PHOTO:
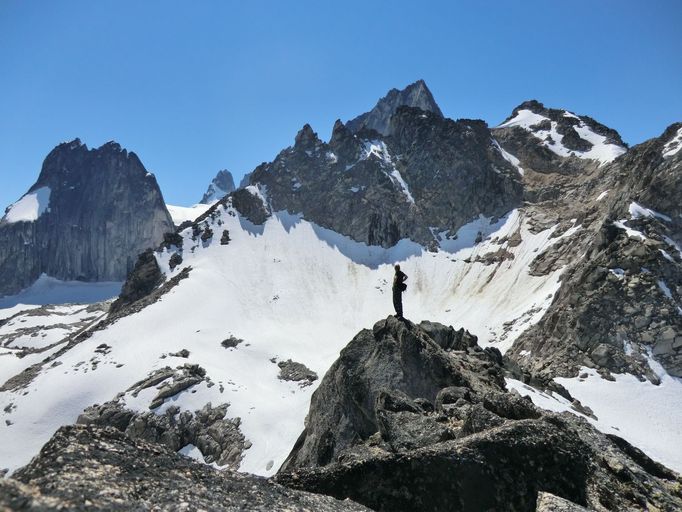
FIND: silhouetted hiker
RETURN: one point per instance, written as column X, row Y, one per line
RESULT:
column 399, row 287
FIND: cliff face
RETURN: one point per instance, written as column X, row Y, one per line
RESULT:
column 87, row 217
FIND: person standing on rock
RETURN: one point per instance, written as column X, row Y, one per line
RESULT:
column 399, row 287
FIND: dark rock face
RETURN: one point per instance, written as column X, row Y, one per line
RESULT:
column 100, row 468
column 221, row 185
column 250, row 205
column 399, row 423
column 146, row 276
column 415, row 95
column 101, row 209
column 426, row 175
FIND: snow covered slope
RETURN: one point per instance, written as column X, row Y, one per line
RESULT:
column 181, row 214
column 625, row 407
column 290, row 290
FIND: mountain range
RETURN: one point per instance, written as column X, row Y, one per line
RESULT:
column 243, row 337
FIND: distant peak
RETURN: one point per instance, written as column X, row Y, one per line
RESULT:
column 415, row 95
column 221, row 185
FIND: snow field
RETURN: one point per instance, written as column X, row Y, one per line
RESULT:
column 181, row 214
column 290, row 290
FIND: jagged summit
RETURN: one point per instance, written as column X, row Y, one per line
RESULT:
column 306, row 138
column 221, row 185
column 380, row 189
column 415, row 95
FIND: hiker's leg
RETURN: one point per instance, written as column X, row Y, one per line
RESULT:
column 398, row 303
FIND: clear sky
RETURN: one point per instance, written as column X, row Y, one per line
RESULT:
column 197, row 86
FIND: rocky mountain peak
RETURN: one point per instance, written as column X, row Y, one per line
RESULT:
column 306, row 138
column 415, row 95
column 339, row 132
column 221, row 185
column 107, row 193
column 543, row 138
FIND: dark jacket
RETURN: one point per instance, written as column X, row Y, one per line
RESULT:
column 399, row 279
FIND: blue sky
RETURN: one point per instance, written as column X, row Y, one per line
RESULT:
column 194, row 87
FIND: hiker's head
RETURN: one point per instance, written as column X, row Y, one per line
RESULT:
column 397, row 268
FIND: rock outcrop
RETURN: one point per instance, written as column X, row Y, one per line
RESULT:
column 221, row 185
column 88, row 216
column 417, row 418
column 100, row 468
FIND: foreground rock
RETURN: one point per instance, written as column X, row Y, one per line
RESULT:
column 98, row 468
column 416, row 417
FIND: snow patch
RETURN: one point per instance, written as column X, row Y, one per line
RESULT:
column 602, row 195
column 395, row 174
column 618, row 272
column 674, row 145
column 672, row 243
column 509, row 157
column 181, row 214
column 525, row 119
column 664, row 288
column 601, row 150
column 667, row 256
column 637, row 212
column 632, row 233
column 30, row 207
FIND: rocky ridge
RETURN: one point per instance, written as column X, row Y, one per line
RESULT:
column 425, row 179
column 87, row 217
column 100, row 468
column 217, row 437
column 619, row 302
